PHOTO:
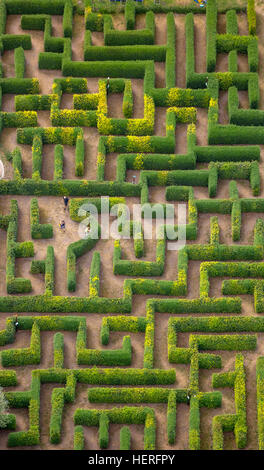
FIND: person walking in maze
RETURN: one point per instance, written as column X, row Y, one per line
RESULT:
column 108, row 85
column 65, row 200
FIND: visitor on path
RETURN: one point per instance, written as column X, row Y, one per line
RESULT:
column 62, row 225
column 108, row 85
column 65, row 200
column 16, row 323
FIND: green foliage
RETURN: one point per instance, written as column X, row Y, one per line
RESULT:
column 4, row 418
column 78, row 438
column 211, row 41
column 103, row 431
column 251, row 14
column 79, row 156
column 31, row 355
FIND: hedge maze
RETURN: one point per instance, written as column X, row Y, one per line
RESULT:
column 127, row 344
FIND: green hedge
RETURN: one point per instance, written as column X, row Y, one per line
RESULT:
column 78, row 438
column 260, row 401
column 231, row 23
column 116, row 68
column 12, row 41
column 34, row 22
column 8, row 378
column 58, row 162
column 58, row 349
column 26, row 356
column 232, row 62
column 171, row 417
column 211, row 25
column 128, row 100
column 130, row 14
column 227, row 153
column 125, row 438
column 103, row 431
column 33, row 102
column 20, row 119
column 20, row 85
column 190, row 58
column 253, row 58
column 251, row 14
column 228, row 42
column 16, row 7
column 67, row 19
column 2, row 18
column 124, row 53
column 74, row 251
column 233, row 135
column 79, row 156
column 38, row 230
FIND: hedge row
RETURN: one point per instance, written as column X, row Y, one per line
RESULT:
column 78, row 438
column 19, row 62
column 139, row 268
column 24, row 356
column 79, row 208
column 33, row 102
column 170, row 54
column 15, row 250
column 58, row 162
column 211, row 42
column 19, row 119
column 229, row 42
column 129, row 37
column 126, row 415
column 232, row 135
column 67, row 19
column 77, row 188
column 77, row 249
column 2, row 18
column 124, row 53
column 231, row 23
column 115, row 126
column 115, row 357
column 227, row 153
column 15, row 7
column 31, row 399
column 20, row 85
column 260, row 401
column 125, row 438
column 128, row 100
column 237, row 422
column 12, row 41
column 159, row 162
column 251, row 15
